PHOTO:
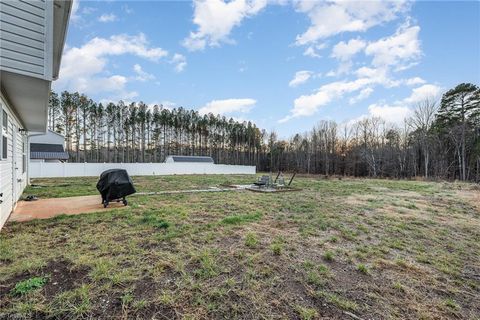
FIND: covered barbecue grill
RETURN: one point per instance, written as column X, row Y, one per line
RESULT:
column 115, row 184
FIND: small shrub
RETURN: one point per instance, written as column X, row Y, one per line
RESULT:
column 28, row 285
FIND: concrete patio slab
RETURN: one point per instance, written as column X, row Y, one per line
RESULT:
column 48, row 208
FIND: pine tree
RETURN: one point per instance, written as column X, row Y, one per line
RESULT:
column 456, row 116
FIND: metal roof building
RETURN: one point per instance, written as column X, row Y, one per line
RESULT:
column 48, row 147
column 197, row 159
column 45, row 151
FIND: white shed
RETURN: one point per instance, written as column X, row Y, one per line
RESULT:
column 49, row 147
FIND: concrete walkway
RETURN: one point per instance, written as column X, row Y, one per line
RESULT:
column 48, row 208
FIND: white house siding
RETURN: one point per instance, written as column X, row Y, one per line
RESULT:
column 24, row 26
column 12, row 178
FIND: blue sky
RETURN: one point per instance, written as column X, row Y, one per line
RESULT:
column 283, row 64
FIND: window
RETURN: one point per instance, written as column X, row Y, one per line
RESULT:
column 4, row 134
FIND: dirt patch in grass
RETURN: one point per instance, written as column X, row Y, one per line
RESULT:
column 61, row 276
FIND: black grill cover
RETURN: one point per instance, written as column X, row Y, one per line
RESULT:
column 115, row 184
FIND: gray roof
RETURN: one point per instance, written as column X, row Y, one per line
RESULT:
column 191, row 159
column 47, row 151
column 49, row 155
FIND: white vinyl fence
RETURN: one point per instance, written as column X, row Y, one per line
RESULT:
column 55, row 170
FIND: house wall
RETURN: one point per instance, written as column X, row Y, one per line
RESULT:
column 13, row 172
column 26, row 37
column 55, row 170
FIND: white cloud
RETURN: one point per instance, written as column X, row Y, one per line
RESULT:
column 395, row 114
column 215, row 20
column 401, row 49
column 228, row 106
column 179, row 61
column 365, row 93
column 84, row 68
column 427, row 91
column 110, row 17
column 343, row 67
column 300, row 77
column 141, row 74
column 344, row 51
column 414, row 81
column 378, row 76
column 307, row 105
column 334, row 17
column 310, row 52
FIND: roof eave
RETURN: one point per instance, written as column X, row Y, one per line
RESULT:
column 61, row 16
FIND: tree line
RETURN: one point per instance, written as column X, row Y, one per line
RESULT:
column 440, row 140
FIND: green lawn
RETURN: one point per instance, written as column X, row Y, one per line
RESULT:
column 370, row 248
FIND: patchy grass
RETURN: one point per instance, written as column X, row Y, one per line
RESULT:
column 372, row 248
column 363, row 268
